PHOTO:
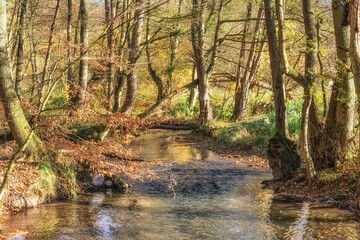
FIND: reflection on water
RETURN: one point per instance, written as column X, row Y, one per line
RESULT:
column 213, row 199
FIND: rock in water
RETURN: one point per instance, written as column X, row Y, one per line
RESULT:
column 283, row 157
column 108, row 183
column 98, row 180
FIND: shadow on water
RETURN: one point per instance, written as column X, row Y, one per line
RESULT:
column 213, row 198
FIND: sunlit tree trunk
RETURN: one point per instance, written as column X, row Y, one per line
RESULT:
column 14, row 114
column 83, row 67
column 134, row 51
column 310, row 75
column 197, row 38
column 354, row 50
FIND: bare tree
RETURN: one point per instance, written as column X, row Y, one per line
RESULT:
column 134, row 52
column 197, row 39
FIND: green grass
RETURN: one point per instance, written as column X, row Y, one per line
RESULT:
column 254, row 133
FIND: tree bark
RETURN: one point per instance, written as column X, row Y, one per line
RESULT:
column 20, row 49
column 197, row 38
column 310, row 76
column 339, row 124
column 354, row 51
column 134, row 51
column 278, row 85
column 309, row 135
column 83, row 67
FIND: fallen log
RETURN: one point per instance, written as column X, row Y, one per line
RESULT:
column 173, row 127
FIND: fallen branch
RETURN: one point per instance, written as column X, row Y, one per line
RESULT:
column 172, row 127
column 158, row 106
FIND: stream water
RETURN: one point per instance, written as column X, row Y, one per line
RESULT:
column 214, row 198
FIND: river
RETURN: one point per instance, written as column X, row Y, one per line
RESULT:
column 199, row 195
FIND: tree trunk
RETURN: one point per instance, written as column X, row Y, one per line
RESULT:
column 174, row 45
column 281, row 127
column 193, row 91
column 118, row 91
column 339, row 124
column 310, row 76
column 238, row 99
column 69, row 49
column 321, row 66
column 313, row 118
column 20, row 50
column 134, row 51
column 36, row 81
column 48, row 52
column 83, row 67
column 282, row 154
column 14, row 114
column 157, row 80
column 120, row 74
column 197, row 38
column 242, row 94
column 110, row 14
column 354, row 51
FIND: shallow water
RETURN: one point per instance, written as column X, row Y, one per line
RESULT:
column 213, row 198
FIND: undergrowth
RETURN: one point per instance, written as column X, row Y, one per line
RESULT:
column 253, row 134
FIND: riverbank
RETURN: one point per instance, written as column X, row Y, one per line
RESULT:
column 331, row 188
